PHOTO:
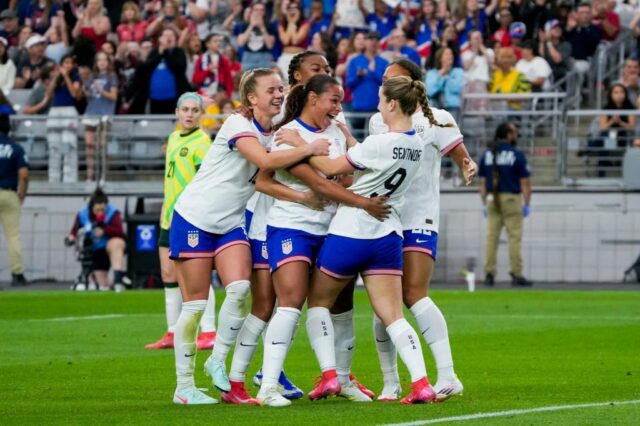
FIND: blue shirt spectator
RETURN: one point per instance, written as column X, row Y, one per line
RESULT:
column 398, row 48
column 445, row 83
column 512, row 166
column 364, row 75
column 583, row 36
column 12, row 159
column 382, row 20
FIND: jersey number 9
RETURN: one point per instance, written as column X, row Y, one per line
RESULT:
column 394, row 182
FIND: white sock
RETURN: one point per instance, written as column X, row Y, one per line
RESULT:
column 344, row 341
column 184, row 341
column 276, row 345
column 387, row 354
column 407, row 342
column 172, row 305
column 230, row 318
column 208, row 321
column 434, row 329
column 321, row 337
column 246, row 347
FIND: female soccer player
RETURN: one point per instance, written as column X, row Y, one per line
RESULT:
column 357, row 243
column 185, row 150
column 420, row 216
column 207, row 228
column 295, row 232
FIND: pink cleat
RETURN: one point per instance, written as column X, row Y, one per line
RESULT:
column 327, row 385
column 206, row 340
column 422, row 393
column 165, row 342
column 238, row 395
column 362, row 387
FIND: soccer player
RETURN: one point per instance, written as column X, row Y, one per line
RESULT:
column 185, row 150
column 358, row 243
column 295, row 232
column 207, row 228
column 420, row 217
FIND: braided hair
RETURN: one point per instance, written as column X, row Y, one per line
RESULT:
column 416, row 74
column 405, row 91
column 295, row 63
column 299, row 94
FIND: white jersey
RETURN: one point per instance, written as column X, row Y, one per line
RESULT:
column 385, row 165
column 286, row 214
column 259, row 204
column 216, row 198
column 422, row 207
column 278, row 118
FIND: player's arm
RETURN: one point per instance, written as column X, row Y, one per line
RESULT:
column 253, row 151
column 375, row 206
column 461, row 157
column 332, row 167
column 351, row 141
column 266, row 184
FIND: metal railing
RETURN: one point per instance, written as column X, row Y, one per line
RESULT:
column 607, row 63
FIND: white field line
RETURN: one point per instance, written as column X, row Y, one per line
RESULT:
column 92, row 317
column 513, row 413
column 548, row 317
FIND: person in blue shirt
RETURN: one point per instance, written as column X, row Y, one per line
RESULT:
column 383, row 20
column 364, row 78
column 506, row 194
column 445, row 82
column 14, row 180
column 398, row 48
column 320, row 22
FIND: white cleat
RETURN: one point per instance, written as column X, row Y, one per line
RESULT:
column 390, row 393
column 215, row 369
column 353, row 393
column 192, row 396
column 445, row 391
column 270, row 397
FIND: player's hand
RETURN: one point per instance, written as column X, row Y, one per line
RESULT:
column 378, row 207
column 345, row 130
column 289, row 137
column 244, row 111
column 469, row 170
column 526, row 210
column 313, row 200
column 319, row 147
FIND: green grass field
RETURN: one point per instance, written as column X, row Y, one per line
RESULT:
column 514, row 350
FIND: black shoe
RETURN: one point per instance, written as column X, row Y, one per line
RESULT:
column 520, row 281
column 18, row 280
column 488, row 280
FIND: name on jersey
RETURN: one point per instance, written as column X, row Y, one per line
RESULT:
column 505, row 158
column 6, row 151
column 407, row 154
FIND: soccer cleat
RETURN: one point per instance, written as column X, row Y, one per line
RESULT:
column 520, row 281
column 165, row 342
column 288, row 389
column 206, row 340
column 422, row 392
column 352, row 392
column 238, row 395
column 270, row 397
column 447, row 390
column 362, row 387
column 327, row 385
column 390, row 393
column 192, row 396
column 215, row 369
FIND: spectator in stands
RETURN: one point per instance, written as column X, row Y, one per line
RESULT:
column 221, row 105
column 382, row 20
column 322, row 43
column 134, row 77
column 93, row 24
column 218, row 13
column 256, row 38
column 41, row 14
column 517, row 33
column 230, row 53
column 62, row 138
column 293, row 31
column 198, row 12
column 634, row 26
column 364, row 77
column 506, row 78
column 169, row 17
column 132, row 27
column 10, row 27
column 606, row 19
column 14, row 180
column 533, row 13
column 192, row 47
column 319, row 22
column 235, row 16
column 104, row 224
column 29, row 70
column 501, row 37
column 425, row 27
column 58, row 39
column 166, row 67
column 7, row 68
column 616, row 131
column 397, row 48
column 505, row 190
column 445, row 82
column 631, row 79
column 212, row 70
column 474, row 17
column 535, row 69
column 101, row 92
column 349, row 18
column 40, row 96
column 477, row 63
column 449, row 38
column 583, row 36
column 554, row 49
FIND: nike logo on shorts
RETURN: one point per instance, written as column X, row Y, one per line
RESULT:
column 421, row 241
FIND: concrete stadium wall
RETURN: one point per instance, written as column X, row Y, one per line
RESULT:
column 570, row 237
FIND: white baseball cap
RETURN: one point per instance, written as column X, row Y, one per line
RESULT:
column 35, row 39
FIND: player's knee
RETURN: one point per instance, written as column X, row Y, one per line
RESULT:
column 238, row 291
column 410, row 295
column 262, row 310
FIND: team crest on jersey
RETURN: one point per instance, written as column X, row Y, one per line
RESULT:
column 265, row 253
column 287, row 246
column 193, row 238
column 184, row 151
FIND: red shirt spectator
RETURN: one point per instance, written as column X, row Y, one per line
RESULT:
column 606, row 19
column 133, row 27
column 212, row 70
